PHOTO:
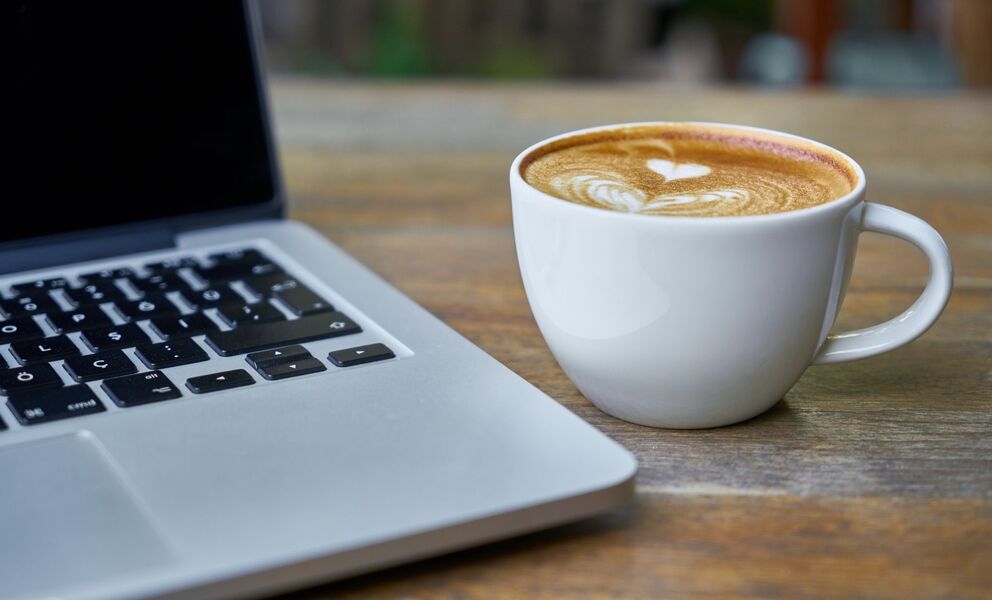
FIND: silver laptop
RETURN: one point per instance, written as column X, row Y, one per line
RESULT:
column 199, row 397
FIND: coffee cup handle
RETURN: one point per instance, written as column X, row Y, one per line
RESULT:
column 861, row 343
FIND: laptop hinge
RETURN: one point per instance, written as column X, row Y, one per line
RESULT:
column 55, row 252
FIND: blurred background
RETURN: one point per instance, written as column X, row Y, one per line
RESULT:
column 871, row 45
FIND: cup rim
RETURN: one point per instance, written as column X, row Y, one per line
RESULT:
column 849, row 198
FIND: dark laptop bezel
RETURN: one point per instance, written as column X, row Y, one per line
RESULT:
column 94, row 243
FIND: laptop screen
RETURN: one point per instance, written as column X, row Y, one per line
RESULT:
column 123, row 111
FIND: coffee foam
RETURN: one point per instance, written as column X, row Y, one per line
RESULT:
column 688, row 170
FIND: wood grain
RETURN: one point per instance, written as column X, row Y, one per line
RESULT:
column 869, row 479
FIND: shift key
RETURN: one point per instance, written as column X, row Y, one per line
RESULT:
column 251, row 338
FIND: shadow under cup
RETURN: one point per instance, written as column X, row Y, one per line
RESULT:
column 693, row 322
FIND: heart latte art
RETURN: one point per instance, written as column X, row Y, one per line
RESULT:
column 688, row 170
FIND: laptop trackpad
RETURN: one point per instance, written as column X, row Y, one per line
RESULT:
column 68, row 519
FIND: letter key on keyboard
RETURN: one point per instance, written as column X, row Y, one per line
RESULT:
column 43, row 350
column 184, row 326
column 117, row 336
column 21, row 328
column 25, row 378
column 102, row 365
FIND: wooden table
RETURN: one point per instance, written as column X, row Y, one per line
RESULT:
column 869, row 479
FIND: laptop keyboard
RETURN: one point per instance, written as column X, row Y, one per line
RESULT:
column 240, row 302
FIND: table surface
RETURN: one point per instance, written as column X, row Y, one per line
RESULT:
column 871, row 478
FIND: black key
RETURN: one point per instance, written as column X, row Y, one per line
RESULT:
column 43, row 350
column 216, row 382
column 95, row 293
column 43, row 405
column 149, row 307
column 26, row 378
column 213, row 297
column 22, row 328
column 3, row 363
column 283, row 370
column 236, row 270
column 3, row 425
column 171, row 354
column 241, row 255
column 109, row 363
column 301, row 300
column 34, row 303
column 281, row 333
column 160, row 283
column 246, row 314
column 287, row 354
column 264, row 285
column 40, row 285
column 79, row 319
column 116, row 336
column 172, row 264
column 184, row 326
column 141, row 388
column 106, row 275
column 360, row 355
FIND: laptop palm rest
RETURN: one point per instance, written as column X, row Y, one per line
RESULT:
column 67, row 518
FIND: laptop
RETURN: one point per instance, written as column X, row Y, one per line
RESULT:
column 199, row 397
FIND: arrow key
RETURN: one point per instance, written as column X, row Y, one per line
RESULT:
column 284, row 354
column 359, row 355
column 216, row 382
column 283, row 370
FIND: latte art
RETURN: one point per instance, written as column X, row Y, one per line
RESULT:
column 688, row 170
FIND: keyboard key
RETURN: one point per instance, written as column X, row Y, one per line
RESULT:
column 246, row 314
column 149, row 307
column 95, row 293
column 43, row 405
column 251, row 338
column 171, row 354
column 184, row 326
column 3, row 425
column 360, row 355
column 264, row 285
column 34, row 303
column 40, row 285
column 114, row 337
column 106, row 275
column 173, row 264
column 25, row 378
column 283, row 370
column 160, row 283
column 43, row 350
column 21, row 328
column 240, row 255
column 216, row 382
column 287, row 354
column 3, row 363
column 141, row 388
column 79, row 319
column 236, row 270
column 212, row 297
column 109, row 363
column 301, row 300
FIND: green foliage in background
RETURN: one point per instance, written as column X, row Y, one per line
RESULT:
column 399, row 44
column 509, row 60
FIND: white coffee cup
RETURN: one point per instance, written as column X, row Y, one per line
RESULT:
column 690, row 322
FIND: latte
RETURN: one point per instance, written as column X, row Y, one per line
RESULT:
column 688, row 170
